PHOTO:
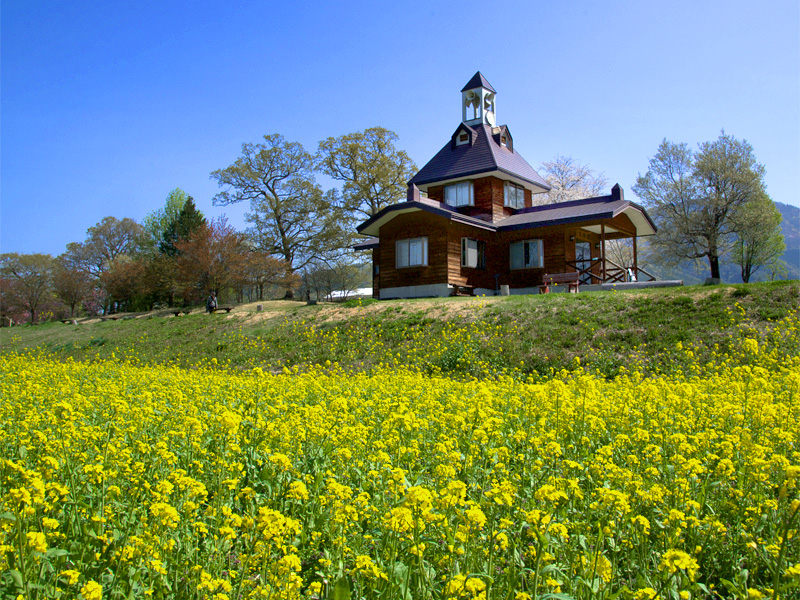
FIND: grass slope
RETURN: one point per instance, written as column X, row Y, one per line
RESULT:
column 478, row 337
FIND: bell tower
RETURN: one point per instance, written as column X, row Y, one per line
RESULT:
column 478, row 102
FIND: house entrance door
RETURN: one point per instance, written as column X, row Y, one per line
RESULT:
column 583, row 260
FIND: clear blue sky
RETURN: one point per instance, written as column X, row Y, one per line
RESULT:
column 107, row 106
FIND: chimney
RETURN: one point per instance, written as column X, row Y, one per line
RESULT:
column 413, row 193
column 617, row 193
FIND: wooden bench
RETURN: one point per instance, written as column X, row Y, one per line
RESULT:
column 180, row 311
column 462, row 290
column 227, row 309
column 572, row 280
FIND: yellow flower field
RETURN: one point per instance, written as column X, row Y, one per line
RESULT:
column 125, row 481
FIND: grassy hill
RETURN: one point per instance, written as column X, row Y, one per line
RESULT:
column 478, row 337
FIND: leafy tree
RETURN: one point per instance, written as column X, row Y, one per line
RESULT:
column 374, row 172
column 759, row 241
column 156, row 223
column 30, row 278
column 105, row 241
column 569, row 180
column 181, row 228
column 292, row 218
column 695, row 198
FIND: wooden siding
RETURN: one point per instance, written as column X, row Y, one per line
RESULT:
column 413, row 225
column 444, row 250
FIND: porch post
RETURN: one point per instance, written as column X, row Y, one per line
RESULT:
column 635, row 259
column 603, row 250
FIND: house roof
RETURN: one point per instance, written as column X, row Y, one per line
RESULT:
column 576, row 211
column 372, row 226
column 484, row 155
column 477, row 81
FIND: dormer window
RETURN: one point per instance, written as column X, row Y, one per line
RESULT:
column 503, row 141
column 463, row 138
column 514, row 195
column 459, row 194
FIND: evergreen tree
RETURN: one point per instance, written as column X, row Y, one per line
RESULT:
column 181, row 228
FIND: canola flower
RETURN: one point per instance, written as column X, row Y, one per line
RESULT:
column 124, row 481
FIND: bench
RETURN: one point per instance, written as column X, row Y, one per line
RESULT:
column 572, row 280
column 462, row 290
column 180, row 311
column 227, row 309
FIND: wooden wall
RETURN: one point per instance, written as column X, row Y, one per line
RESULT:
column 444, row 252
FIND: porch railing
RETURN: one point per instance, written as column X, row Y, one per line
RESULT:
column 590, row 271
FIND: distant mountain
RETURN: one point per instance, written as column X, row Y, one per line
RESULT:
column 791, row 235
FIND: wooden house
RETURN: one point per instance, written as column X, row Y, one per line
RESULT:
column 469, row 223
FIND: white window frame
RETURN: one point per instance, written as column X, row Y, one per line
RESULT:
column 526, row 257
column 459, row 194
column 514, row 195
column 473, row 253
column 411, row 252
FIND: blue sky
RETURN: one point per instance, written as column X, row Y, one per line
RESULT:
column 108, row 106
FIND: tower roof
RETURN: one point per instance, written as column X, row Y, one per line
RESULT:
column 477, row 81
column 485, row 155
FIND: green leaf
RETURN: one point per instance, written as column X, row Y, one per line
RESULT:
column 16, row 577
column 341, row 591
column 56, row 552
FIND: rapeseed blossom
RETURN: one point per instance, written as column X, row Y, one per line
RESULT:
column 207, row 484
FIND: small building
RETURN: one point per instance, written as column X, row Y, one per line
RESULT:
column 470, row 225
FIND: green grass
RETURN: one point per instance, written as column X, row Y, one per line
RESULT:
column 459, row 336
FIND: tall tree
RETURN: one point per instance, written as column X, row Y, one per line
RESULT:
column 105, row 241
column 569, row 180
column 124, row 282
column 695, row 198
column 30, row 277
column 759, row 241
column 212, row 258
column 156, row 223
column 260, row 270
column 181, row 228
column 291, row 217
column 71, row 284
column 373, row 171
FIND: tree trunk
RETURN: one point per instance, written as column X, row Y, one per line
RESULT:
column 713, row 261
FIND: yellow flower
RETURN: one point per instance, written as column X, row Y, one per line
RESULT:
column 71, row 575
column 92, row 591
column 674, row 560
column 37, row 541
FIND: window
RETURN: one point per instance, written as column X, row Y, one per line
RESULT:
column 459, row 194
column 515, row 195
column 473, row 253
column 527, row 255
column 412, row 252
